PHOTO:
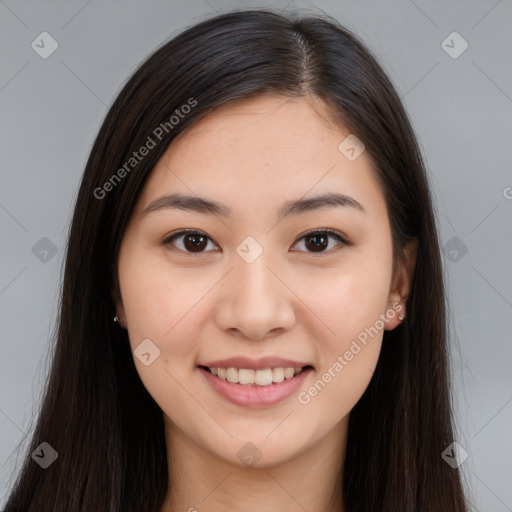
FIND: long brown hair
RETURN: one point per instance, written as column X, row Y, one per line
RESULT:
column 96, row 413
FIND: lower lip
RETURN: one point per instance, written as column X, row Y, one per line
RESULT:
column 253, row 395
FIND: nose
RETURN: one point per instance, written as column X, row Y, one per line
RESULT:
column 255, row 302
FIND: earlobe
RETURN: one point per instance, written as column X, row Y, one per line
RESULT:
column 402, row 283
column 120, row 313
column 406, row 270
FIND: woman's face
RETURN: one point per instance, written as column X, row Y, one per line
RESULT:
column 252, row 282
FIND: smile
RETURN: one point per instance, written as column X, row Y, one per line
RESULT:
column 263, row 377
column 255, row 388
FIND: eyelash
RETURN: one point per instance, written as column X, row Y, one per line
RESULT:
column 168, row 240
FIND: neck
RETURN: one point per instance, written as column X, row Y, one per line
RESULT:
column 200, row 480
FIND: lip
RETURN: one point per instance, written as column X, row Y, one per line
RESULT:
column 255, row 364
column 253, row 395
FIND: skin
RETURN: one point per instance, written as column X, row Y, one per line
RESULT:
column 252, row 156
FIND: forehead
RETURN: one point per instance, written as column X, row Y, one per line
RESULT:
column 264, row 149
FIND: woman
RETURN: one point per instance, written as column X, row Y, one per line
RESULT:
column 255, row 215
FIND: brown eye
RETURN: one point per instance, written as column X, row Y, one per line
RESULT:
column 318, row 241
column 193, row 241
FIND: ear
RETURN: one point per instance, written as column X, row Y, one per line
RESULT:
column 401, row 284
column 120, row 313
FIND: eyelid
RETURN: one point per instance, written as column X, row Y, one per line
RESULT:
column 181, row 232
column 333, row 233
column 342, row 241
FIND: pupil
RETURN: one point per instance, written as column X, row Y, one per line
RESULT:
column 318, row 246
column 196, row 244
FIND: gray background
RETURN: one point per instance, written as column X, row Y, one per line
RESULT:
column 51, row 109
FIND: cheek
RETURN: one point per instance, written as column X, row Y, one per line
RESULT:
column 349, row 352
column 159, row 306
column 156, row 298
column 167, row 306
column 337, row 388
column 351, row 307
column 349, row 301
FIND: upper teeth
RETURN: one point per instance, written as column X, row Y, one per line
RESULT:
column 259, row 377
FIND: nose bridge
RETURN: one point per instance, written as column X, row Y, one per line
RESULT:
column 251, row 268
column 255, row 301
column 255, row 278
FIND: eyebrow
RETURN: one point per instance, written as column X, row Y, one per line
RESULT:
column 209, row 206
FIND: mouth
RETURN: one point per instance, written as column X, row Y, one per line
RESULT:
column 260, row 377
column 258, row 388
